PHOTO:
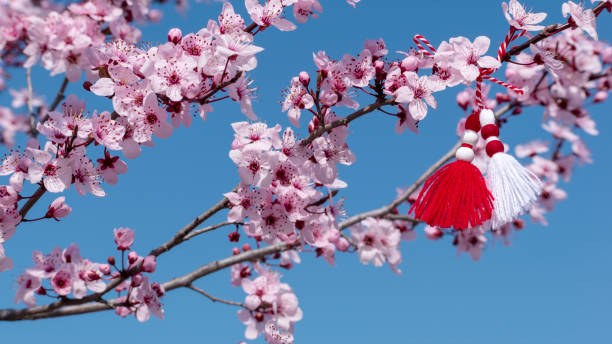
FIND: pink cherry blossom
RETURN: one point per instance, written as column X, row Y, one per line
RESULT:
column 107, row 131
column 550, row 195
column 110, row 167
column 469, row 56
column 28, row 284
column 521, row 19
column 405, row 120
column 6, row 263
column 254, row 167
column 240, row 92
column 147, row 301
column 244, row 202
column 58, row 208
column 418, row 94
column 274, row 336
column 152, row 121
column 302, row 9
column 531, row 149
column 270, row 14
column 62, row 282
column 297, row 100
column 471, row 241
column 584, row 19
column 377, row 242
column 124, row 238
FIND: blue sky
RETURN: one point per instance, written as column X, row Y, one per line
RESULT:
column 552, row 285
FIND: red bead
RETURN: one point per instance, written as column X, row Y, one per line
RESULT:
column 494, row 147
column 473, row 122
column 489, row 130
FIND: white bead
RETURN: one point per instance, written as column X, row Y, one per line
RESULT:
column 465, row 154
column 470, row 137
column 486, row 117
column 492, row 138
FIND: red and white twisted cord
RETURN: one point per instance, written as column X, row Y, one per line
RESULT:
column 505, row 84
column 418, row 39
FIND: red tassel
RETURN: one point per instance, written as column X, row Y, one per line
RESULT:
column 455, row 196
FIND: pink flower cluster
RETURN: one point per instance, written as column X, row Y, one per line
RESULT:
column 61, row 39
column 270, row 305
column 68, row 273
column 378, row 242
column 280, row 181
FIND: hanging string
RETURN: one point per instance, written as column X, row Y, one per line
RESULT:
column 418, row 39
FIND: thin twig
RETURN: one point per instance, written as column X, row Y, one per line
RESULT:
column 58, row 98
column 207, row 229
column 400, row 217
column 33, row 131
column 179, row 237
column 214, row 299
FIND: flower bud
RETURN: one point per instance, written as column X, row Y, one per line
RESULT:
column 105, row 269
column 136, row 280
column 235, row 251
column 111, row 260
column 87, row 85
column 379, row 65
column 433, row 233
column 342, row 245
column 600, row 96
column 246, row 247
column 175, row 35
column 304, row 78
column 410, row 64
column 149, row 264
column 132, row 257
column 234, row 236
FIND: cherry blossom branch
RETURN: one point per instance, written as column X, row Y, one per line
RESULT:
column 346, row 120
column 214, row 299
column 94, row 303
column 545, row 33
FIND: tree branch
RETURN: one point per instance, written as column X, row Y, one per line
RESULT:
column 346, row 120
column 208, row 229
column 179, row 237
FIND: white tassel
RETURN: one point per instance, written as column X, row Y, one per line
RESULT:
column 514, row 188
